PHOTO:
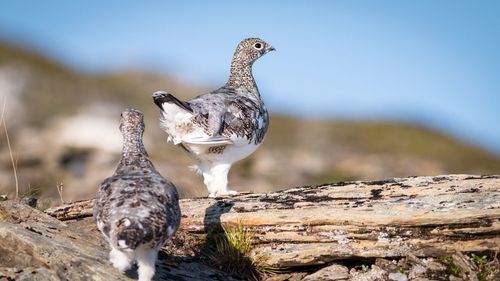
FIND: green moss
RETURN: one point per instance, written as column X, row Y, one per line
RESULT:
column 488, row 265
column 455, row 269
column 479, row 260
column 451, row 267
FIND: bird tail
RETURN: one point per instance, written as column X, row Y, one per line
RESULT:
column 161, row 97
column 129, row 234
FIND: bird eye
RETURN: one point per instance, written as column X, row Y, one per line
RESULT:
column 258, row 46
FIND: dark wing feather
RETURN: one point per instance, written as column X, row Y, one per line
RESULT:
column 161, row 97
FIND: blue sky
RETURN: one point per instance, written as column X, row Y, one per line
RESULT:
column 435, row 63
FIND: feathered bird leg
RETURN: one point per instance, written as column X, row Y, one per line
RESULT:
column 120, row 260
column 146, row 259
column 215, row 178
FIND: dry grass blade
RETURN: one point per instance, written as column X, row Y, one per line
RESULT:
column 60, row 187
column 14, row 168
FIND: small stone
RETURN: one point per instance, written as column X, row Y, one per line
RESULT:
column 454, row 278
column 435, row 270
column 433, row 265
column 375, row 274
column 3, row 197
column 287, row 277
column 417, row 271
column 30, row 201
column 332, row 272
column 412, row 259
column 297, row 276
column 468, row 268
column 279, row 277
column 387, row 265
column 398, row 276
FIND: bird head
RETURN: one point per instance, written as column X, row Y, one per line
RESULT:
column 132, row 123
column 250, row 49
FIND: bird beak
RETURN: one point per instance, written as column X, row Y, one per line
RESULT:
column 270, row 48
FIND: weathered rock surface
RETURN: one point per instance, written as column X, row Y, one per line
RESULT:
column 425, row 216
column 35, row 246
column 399, row 223
column 332, row 272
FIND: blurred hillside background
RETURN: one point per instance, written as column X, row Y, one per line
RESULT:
column 358, row 90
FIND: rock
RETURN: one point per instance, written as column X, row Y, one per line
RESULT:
column 468, row 268
column 75, row 210
column 435, row 270
column 397, row 276
column 425, row 268
column 51, row 245
column 412, row 259
column 311, row 226
column 287, row 277
column 434, row 266
column 36, row 246
column 332, row 272
column 454, row 278
column 374, row 274
column 30, row 201
column 417, row 271
column 26, row 273
column 387, row 265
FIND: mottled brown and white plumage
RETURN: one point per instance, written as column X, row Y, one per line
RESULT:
column 136, row 209
column 223, row 126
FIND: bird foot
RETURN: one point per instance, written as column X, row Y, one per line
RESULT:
column 224, row 193
column 120, row 260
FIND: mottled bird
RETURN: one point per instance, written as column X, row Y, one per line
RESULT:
column 223, row 126
column 136, row 209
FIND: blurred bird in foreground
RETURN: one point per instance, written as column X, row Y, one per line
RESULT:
column 136, row 209
column 223, row 126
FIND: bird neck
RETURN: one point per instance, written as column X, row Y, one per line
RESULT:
column 241, row 76
column 133, row 146
column 134, row 157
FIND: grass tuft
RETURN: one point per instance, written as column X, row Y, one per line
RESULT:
column 231, row 251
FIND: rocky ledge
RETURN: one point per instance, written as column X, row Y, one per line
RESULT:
column 418, row 228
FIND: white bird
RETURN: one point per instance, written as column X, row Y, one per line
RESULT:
column 136, row 209
column 223, row 126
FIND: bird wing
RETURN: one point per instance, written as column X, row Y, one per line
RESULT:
column 225, row 118
column 208, row 115
column 161, row 98
column 242, row 118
